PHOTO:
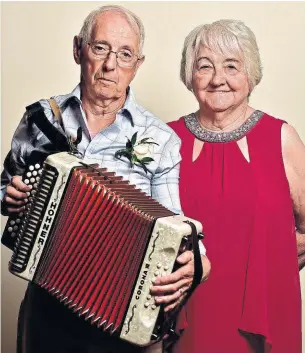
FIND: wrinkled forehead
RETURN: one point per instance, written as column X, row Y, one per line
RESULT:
column 220, row 42
column 112, row 25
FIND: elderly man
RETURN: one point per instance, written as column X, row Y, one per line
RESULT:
column 109, row 52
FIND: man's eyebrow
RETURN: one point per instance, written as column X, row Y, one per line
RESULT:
column 101, row 42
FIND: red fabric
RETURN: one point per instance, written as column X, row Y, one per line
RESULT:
column 251, row 302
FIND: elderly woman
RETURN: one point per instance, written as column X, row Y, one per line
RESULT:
column 243, row 177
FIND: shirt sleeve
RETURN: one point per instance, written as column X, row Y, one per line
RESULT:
column 26, row 139
column 165, row 183
column 15, row 161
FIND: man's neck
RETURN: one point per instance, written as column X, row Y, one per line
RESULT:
column 101, row 113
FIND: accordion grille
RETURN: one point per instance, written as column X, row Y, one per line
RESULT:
column 93, row 256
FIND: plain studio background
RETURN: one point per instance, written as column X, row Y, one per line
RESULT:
column 37, row 62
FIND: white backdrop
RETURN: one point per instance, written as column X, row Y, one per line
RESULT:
column 37, row 62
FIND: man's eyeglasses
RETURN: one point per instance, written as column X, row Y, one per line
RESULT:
column 124, row 57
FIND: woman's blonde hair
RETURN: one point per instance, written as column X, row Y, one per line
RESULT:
column 223, row 36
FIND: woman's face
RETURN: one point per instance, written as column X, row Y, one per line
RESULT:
column 219, row 81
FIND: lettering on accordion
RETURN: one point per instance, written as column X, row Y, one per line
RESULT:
column 96, row 243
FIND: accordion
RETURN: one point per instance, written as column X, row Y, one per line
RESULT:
column 96, row 243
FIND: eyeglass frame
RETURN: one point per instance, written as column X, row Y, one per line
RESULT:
column 114, row 52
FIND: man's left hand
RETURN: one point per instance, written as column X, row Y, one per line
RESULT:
column 171, row 289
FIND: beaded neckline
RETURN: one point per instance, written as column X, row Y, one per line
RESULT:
column 202, row 134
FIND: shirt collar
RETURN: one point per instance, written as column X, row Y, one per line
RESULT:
column 129, row 108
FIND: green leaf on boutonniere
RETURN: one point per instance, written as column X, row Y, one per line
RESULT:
column 124, row 153
column 141, row 164
column 129, row 145
column 134, row 138
column 146, row 160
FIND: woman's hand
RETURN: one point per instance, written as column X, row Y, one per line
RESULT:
column 171, row 289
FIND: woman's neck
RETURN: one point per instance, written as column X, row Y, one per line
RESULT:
column 224, row 121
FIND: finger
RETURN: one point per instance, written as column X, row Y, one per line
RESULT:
column 167, row 299
column 174, row 305
column 185, row 257
column 185, row 271
column 13, row 202
column 15, row 209
column 13, row 193
column 17, row 183
column 170, row 288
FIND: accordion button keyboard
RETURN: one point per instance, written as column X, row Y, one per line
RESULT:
column 148, row 297
column 31, row 167
column 146, row 305
column 159, row 265
column 153, row 306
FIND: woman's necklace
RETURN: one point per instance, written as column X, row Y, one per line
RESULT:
column 203, row 134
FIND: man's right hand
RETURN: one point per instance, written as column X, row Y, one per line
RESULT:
column 15, row 197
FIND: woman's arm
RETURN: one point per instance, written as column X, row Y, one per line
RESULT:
column 294, row 161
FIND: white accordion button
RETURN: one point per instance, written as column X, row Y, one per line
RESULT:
column 10, row 229
column 166, row 268
column 12, row 222
column 26, row 181
column 157, row 273
column 31, row 167
column 32, row 180
column 146, row 305
column 34, row 173
column 153, row 306
column 28, row 174
column 159, row 265
column 37, row 166
column 148, row 297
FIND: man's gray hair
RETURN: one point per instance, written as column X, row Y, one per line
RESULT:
column 132, row 19
column 223, row 37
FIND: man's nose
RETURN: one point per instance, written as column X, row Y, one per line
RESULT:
column 110, row 62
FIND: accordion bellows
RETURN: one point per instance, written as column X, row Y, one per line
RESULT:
column 96, row 243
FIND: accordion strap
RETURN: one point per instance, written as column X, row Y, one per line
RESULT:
column 198, row 271
column 36, row 115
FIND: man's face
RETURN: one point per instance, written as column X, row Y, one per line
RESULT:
column 105, row 79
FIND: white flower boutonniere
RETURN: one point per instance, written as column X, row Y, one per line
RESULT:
column 138, row 152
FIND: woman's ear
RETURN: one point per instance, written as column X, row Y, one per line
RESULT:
column 77, row 47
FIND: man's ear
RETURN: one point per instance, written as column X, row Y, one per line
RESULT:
column 139, row 63
column 77, row 47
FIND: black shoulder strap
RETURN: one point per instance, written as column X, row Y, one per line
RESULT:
column 36, row 115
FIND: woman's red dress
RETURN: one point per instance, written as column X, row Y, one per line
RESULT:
column 252, row 301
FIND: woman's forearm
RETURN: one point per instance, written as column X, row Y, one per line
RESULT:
column 301, row 249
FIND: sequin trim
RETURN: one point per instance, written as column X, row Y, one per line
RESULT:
column 202, row 134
